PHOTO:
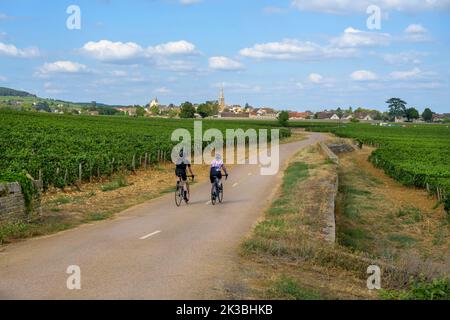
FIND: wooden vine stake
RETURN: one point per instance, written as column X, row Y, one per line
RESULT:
column 65, row 177
column 145, row 161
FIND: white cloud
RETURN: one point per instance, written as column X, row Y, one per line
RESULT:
column 353, row 38
column 291, row 49
column 173, row 48
column 409, row 57
column 343, row 46
column 108, row 51
column 12, row 51
column 360, row 6
column 224, row 64
column 415, row 28
column 315, row 78
column 417, row 33
column 363, row 75
column 3, row 79
column 62, row 67
column 405, row 75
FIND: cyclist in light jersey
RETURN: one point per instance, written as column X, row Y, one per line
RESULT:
column 217, row 166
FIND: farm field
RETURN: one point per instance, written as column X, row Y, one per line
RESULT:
column 57, row 145
column 415, row 155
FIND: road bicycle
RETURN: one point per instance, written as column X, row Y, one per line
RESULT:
column 217, row 191
column 180, row 192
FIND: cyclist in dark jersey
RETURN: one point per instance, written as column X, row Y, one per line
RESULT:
column 182, row 165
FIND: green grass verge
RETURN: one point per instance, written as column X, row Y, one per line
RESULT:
column 287, row 289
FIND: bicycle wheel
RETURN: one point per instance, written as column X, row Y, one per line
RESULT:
column 213, row 195
column 178, row 195
column 187, row 197
column 220, row 194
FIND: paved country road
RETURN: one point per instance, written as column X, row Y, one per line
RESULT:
column 151, row 251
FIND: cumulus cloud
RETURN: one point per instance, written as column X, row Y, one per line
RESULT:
column 405, row 75
column 291, row 49
column 315, row 78
column 360, row 6
column 108, row 51
column 10, row 50
column 224, row 64
column 363, row 75
column 417, row 33
column 343, row 46
column 409, row 57
column 62, row 67
column 173, row 48
column 353, row 38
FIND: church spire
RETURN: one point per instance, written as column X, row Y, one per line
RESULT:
column 222, row 100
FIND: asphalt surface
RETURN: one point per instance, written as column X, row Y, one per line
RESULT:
column 152, row 251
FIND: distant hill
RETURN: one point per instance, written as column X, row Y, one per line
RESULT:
column 8, row 92
column 14, row 93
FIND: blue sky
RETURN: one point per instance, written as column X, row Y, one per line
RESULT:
column 288, row 54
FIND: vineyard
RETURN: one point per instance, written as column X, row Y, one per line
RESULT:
column 415, row 155
column 64, row 149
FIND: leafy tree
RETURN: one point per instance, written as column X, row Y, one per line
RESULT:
column 378, row 115
column 187, row 110
column 155, row 110
column 397, row 107
column 427, row 115
column 204, row 110
column 412, row 114
column 283, row 118
column 43, row 106
column 339, row 113
column 172, row 113
column 140, row 111
column 107, row 111
column 214, row 105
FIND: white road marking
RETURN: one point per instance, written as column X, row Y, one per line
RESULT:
column 149, row 235
column 249, row 173
column 235, row 185
column 209, row 202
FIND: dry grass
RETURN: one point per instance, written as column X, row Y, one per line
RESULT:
column 286, row 256
column 378, row 221
column 379, row 216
